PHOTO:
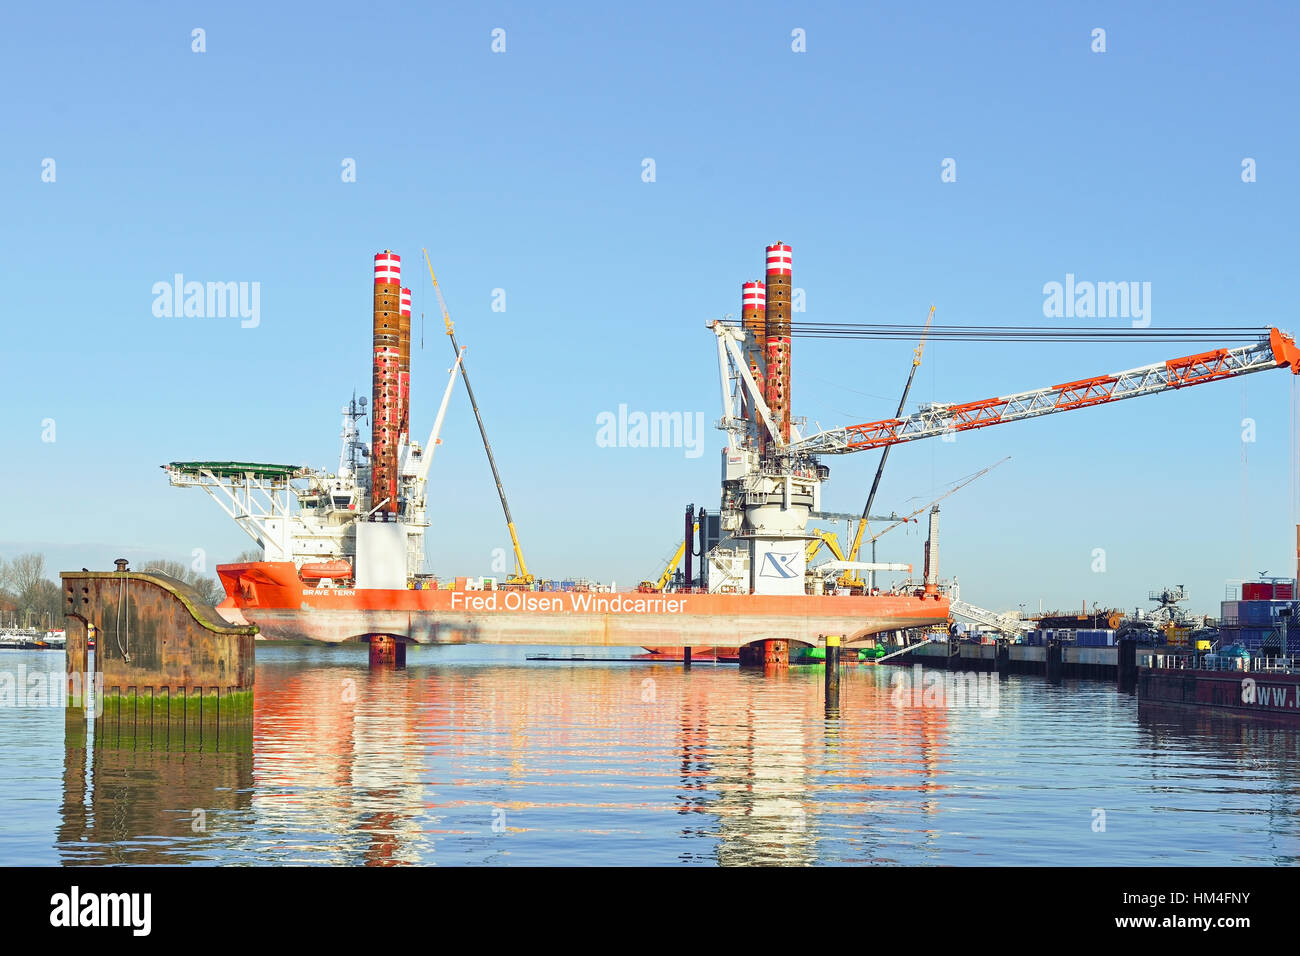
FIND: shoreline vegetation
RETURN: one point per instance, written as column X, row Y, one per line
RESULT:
column 30, row 595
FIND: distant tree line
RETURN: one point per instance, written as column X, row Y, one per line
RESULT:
column 209, row 588
column 29, row 597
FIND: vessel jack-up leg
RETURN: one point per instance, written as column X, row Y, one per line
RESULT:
column 386, row 651
column 771, row 655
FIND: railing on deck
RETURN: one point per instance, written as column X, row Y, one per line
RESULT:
column 1203, row 662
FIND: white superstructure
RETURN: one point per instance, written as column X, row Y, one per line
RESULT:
column 311, row 517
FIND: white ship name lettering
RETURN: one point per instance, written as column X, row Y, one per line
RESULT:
column 570, row 602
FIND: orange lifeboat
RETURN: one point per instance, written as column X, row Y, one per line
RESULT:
column 325, row 569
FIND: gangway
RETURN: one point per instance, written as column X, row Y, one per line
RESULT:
column 902, row 650
column 1002, row 623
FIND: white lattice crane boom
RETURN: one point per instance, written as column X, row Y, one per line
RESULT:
column 1275, row 350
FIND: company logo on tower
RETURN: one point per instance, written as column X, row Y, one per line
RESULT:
column 777, row 565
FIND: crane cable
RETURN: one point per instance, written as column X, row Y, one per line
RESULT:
column 1020, row 333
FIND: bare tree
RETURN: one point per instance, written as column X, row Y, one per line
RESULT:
column 25, row 571
column 45, row 605
column 35, row 598
column 209, row 588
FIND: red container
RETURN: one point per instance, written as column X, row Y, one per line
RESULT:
column 1256, row 591
column 1284, row 592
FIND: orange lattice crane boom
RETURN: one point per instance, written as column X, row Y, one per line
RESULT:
column 1274, row 350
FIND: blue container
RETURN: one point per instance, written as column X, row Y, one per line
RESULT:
column 1255, row 612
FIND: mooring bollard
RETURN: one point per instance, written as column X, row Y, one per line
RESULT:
column 832, row 672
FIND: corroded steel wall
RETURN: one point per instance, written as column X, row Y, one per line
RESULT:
column 162, row 653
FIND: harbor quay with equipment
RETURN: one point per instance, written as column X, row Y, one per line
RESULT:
column 1164, row 656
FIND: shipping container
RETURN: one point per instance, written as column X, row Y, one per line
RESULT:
column 1254, row 612
column 1096, row 638
column 1256, row 591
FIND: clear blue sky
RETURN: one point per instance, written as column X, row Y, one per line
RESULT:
column 522, row 171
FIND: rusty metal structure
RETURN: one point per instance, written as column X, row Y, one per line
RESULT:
column 776, row 311
column 404, row 368
column 162, row 656
column 386, row 403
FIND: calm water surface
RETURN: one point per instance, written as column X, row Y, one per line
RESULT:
column 475, row 756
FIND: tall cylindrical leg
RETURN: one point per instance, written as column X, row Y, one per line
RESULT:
column 386, row 651
column 776, row 653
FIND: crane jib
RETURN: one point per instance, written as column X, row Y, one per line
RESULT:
column 1279, row 350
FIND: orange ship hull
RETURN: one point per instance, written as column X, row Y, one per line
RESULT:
column 270, row 595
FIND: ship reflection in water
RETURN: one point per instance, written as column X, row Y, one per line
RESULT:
column 462, row 759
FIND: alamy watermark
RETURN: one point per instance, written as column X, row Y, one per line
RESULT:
column 1098, row 300
column 211, row 300
column 626, row 429
column 42, row 688
column 946, row 689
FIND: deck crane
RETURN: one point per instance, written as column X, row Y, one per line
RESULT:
column 850, row 578
column 773, row 476
column 770, row 493
column 827, row 538
column 521, row 577
column 1274, row 350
